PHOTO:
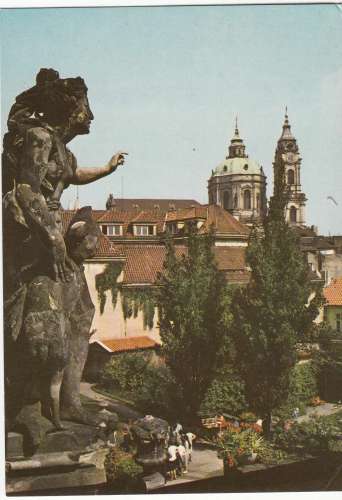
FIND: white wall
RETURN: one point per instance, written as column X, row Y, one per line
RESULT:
column 111, row 324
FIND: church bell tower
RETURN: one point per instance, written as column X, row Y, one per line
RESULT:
column 288, row 149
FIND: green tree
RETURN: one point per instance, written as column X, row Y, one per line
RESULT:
column 272, row 313
column 194, row 314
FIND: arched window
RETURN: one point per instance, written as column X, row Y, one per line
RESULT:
column 226, row 200
column 258, row 200
column 247, row 200
column 290, row 177
column 293, row 214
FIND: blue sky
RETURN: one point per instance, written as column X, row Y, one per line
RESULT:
column 165, row 84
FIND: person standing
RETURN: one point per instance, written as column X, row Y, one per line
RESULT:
column 190, row 438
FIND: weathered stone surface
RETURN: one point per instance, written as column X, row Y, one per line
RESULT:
column 47, row 307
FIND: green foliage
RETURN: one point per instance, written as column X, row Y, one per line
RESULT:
column 236, row 443
column 107, row 280
column 139, row 299
column 328, row 362
column 159, row 393
column 125, row 371
column 225, row 394
column 194, row 315
column 315, row 436
column 121, row 469
column 271, row 314
column 302, row 388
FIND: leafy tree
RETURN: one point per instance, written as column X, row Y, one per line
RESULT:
column 194, row 314
column 328, row 362
column 272, row 313
column 125, row 371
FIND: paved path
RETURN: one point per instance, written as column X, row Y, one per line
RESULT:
column 124, row 412
column 204, row 464
column 321, row 410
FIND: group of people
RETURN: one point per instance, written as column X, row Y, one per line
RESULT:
column 179, row 448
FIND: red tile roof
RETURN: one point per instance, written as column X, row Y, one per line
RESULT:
column 223, row 222
column 115, row 215
column 149, row 216
column 143, row 263
column 333, row 293
column 128, row 344
column 198, row 212
column 162, row 204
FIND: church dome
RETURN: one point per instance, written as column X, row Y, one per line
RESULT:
column 231, row 166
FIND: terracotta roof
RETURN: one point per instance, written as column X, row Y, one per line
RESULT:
column 223, row 222
column 198, row 212
column 127, row 344
column 149, row 216
column 333, row 293
column 106, row 248
column 163, row 204
column 115, row 215
column 144, row 262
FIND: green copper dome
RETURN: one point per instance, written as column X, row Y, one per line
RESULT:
column 231, row 166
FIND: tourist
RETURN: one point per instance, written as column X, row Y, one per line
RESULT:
column 177, row 432
column 183, row 455
column 190, row 438
column 172, row 460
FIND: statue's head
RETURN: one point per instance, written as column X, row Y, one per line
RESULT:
column 82, row 236
column 56, row 101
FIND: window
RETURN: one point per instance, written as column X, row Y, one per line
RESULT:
column 113, row 230
column 293, row 214
column 258, row 200
column 247, row 200
column 226, row 200
column 144, row 230
column 290, row 177
column 338, row 322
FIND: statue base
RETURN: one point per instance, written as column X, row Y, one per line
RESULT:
column 66, row 459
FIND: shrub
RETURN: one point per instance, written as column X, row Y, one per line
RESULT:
column 236, row 442
column 303, row 387
column 121, row 469
column 314, row 436
column 225, row 394
column 125, row 371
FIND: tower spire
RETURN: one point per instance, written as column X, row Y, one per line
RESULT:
column 236, row 126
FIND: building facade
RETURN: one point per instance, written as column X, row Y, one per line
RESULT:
column 238, row 184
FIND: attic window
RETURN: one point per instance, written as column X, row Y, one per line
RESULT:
column 225, row 168
column 156, row 207
column 245, row 166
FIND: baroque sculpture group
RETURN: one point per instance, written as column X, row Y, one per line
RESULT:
column 47, row 307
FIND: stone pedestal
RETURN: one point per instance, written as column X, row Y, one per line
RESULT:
column 70, row 458
column 52, row 471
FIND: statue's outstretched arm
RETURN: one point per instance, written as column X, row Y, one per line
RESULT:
column 33, row 170
column 88, row 175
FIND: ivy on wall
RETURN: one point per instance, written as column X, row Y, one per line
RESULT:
column 133, row 300
column 139, row 299
column 107, row 280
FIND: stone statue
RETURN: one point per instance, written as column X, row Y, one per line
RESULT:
column 47, row 307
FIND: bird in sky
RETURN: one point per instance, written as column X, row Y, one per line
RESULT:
column 332, row 199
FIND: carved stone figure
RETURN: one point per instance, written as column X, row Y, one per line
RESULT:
column 150, row 434
column 47, row 329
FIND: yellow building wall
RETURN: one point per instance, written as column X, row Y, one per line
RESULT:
column 111, row 324
column 330, row 314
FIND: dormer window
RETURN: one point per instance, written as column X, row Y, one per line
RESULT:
column 145, row 230
column 112, row 229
